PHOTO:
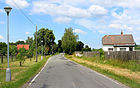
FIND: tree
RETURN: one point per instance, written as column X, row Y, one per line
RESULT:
column 21, row 55
column 20, row 42
column 13, row 50
column 3, row 50
column 60, row 46
column 29, row 40
column 47, row 37
column 69, row 41
column 86, row 48
column 79, row 46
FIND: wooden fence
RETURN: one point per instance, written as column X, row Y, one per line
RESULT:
column 123, row 55
column 88, row 54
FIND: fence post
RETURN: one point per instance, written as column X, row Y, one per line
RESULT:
column 2, row 59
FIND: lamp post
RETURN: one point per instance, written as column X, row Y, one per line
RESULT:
column 8, row 71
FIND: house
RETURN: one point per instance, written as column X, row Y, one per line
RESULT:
column 122, row 42
column 23, row 46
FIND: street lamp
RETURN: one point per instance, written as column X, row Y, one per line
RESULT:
column 8, row 71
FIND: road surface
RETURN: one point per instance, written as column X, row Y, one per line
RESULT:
column 63, row 73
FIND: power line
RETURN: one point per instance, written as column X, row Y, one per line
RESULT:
column 24, row 14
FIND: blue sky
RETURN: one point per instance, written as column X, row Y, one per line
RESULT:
column 90, row 19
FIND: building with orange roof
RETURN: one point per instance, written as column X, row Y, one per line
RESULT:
column 122, row 42
column 23, row 46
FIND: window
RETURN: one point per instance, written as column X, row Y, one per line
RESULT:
column 130, row 48
column 122, row 49
column 110, row 49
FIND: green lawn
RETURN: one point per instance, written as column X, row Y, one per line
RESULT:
column 20, row 75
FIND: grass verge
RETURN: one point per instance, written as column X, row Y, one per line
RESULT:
column 20, row 75
column 94, row 65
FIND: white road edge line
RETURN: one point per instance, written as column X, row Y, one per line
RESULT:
column 115, row 81
column 38, row 73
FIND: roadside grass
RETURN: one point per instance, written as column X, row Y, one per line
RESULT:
column 20, row 74
column 133, row 65
column 118, row 71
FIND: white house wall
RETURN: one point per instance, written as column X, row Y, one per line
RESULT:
column 118, row 48
column 105, row 47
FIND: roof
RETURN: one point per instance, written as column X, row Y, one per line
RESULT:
column 23, row 46
column 116, row 40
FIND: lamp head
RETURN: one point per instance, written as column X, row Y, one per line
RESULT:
column 8, row 9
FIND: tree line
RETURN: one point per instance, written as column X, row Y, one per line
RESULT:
column 46, row 44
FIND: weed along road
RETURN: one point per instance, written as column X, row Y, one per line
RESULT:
column 63, row 73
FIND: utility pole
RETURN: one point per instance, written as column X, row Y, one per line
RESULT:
column 36, row 43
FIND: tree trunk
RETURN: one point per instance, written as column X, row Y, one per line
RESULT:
column 12, row 58
column 2, row 59
column 20, row 63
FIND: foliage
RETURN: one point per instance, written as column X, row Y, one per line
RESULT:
column 86, row 48
column 69, row 41
column 20, row 42
column 101, row 53
column 21, row 55
column 60, row 49
column 137, row 47
column 3, row 47
column 29, row 40
column 79, row 46
column 12, row 50
column 46, row 38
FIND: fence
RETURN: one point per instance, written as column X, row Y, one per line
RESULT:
column 88, row 54
column 123, row 55
column 4, row 58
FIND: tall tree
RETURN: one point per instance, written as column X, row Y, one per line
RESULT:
column 46, row 37
column 79, row 46
column 29, row 40
column 69, row 41
column 60, row 46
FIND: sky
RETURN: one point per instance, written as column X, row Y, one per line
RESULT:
column 90, row 19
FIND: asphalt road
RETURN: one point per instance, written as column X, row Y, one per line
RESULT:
column 63, row 73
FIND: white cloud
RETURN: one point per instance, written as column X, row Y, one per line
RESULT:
column 1, row 11
column 63, row 20
column 26, row 33
column 115, row 26
column 79, row 31
column 97, row 10
column 122, row 27
column 102, row 32
column 17, row 3
column 86, row 23
column 67, row 10
column 1, row 37
column 119, row 3
column 1, row 22
column 121, row 16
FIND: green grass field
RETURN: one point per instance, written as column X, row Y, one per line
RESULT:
column 20, row 74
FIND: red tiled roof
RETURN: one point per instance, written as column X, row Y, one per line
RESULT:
column 23, row 46
column 123, row 39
